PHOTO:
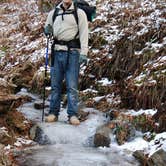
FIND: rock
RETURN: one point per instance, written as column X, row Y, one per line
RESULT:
column 139, row 154
column 37, row 135
column 102, row 137
column 124, row 132
column 157, row 159
column 39, row 105
column 82, row 115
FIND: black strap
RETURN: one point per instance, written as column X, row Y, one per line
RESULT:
column 76, row 18
column 56, row 11
column 75, row 43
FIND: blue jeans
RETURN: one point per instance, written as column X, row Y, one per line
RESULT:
column 66, row 65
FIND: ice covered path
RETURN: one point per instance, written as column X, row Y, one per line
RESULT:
column 71, row 145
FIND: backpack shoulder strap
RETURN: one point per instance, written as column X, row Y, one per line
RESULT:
column 75, row 12
column 76, row 18
column 56, row 11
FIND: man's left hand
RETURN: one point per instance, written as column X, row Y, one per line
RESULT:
column 83, row 59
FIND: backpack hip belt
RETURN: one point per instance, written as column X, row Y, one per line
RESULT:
column 74, row 43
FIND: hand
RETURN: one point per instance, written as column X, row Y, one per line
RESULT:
column 48, row 31
column 83, row 59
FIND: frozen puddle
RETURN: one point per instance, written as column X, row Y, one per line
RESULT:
column 71, row 145
column 73, row 155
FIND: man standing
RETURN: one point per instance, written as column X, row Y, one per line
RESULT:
column 69, row 49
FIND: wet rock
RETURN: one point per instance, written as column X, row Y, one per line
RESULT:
column 102, row 136
column 82, row 115
column 141, row 157
column 37, row 134
column 39, row 105
column 158, row 158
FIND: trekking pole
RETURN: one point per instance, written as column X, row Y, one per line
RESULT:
column 45, row 77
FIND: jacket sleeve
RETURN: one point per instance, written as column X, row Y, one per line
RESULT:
column 49, row 18
column 83, row 31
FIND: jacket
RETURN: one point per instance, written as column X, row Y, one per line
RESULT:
column 65, row 28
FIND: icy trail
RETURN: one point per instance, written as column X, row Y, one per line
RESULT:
column 71, row 145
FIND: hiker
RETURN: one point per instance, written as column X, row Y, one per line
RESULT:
column 69, row 50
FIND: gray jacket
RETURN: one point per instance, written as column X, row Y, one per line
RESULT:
column 67, row 29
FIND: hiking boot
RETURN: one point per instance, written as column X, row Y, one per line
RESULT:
column 74, row 120
column 51, row 118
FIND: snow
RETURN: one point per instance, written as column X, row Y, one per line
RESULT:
column 98, row 98
column 22, row 141
column 159, row 142
column 105, row 82
column 89, row 90
column 140, row 77
column 136, row 144
column 141, row 111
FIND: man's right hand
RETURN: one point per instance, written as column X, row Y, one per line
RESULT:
column 48, row 31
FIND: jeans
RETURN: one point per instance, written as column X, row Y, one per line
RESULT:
column 66, row 65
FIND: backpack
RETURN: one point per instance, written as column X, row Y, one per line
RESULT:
column 82, row 4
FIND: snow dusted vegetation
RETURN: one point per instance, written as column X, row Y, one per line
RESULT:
column 123, row 84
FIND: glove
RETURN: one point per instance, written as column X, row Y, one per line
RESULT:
column 83, row 59
column 48, row 31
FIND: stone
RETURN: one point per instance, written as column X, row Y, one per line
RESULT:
column 39, row 105
column 37, row 135
column 102, row 136
column 82, row 115
column 157, row 159
column 140, row 156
